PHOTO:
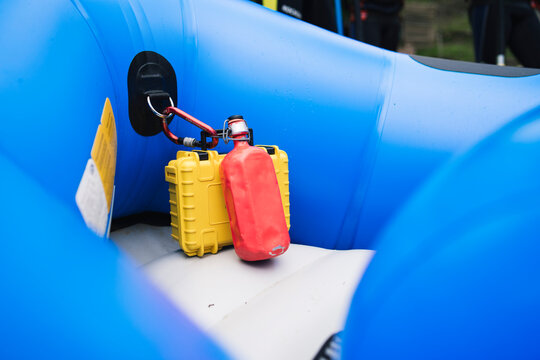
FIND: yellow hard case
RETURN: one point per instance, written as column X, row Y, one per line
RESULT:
column 199, row 217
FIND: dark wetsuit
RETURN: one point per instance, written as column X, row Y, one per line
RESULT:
column 521, row 30
column 380, row 24
column 317, row 12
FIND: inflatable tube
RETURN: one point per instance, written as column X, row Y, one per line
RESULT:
column 396, row 120
column 456, row 275
column 364, row 130
column 69, row 294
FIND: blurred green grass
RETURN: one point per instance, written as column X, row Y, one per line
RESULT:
column 455, row 40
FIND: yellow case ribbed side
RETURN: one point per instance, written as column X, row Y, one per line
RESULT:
column 281, row 165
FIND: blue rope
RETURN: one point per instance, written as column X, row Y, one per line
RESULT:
column 339, row 17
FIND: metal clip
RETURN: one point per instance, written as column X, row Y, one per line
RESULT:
column 157, row 113
column 226, row 132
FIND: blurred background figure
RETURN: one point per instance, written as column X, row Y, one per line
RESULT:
column 467, row 30
column 497, row 24
column 377, row 22
column 317, row 12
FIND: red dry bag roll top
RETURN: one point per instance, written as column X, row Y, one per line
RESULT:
column 258, row 226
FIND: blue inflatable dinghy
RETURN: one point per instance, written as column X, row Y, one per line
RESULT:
column 431, row 165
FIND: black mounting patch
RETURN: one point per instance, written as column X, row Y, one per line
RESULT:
column 150, row 74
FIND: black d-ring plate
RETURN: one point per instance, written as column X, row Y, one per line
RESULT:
column 150, row 74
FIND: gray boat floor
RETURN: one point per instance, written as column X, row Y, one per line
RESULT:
column 283, row 308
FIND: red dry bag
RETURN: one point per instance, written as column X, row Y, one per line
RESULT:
column 258, row 226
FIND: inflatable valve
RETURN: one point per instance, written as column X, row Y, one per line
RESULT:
column 252, row 197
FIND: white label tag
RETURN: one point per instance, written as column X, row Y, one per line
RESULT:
column 91, row 199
